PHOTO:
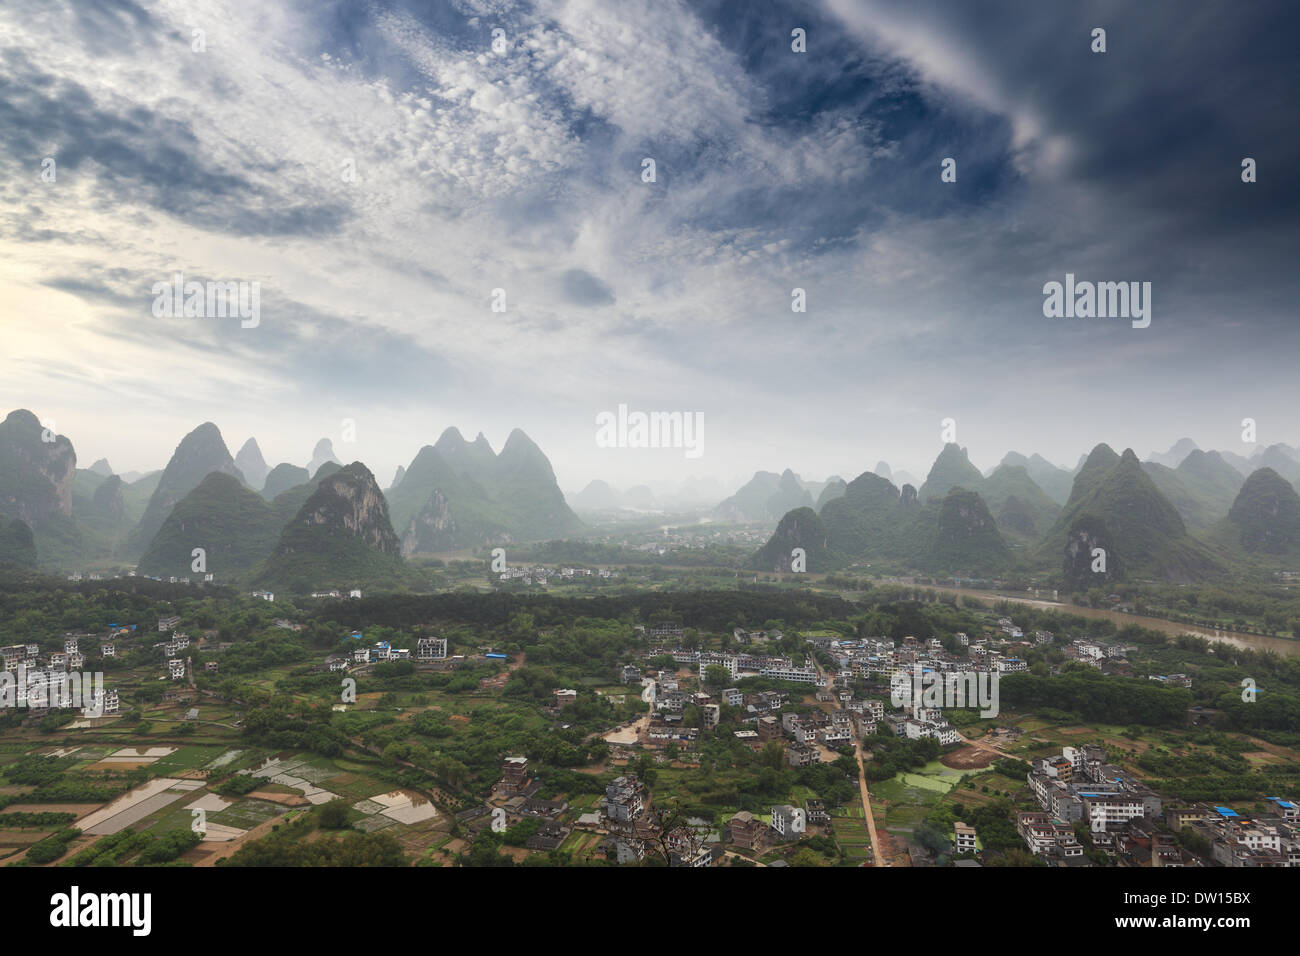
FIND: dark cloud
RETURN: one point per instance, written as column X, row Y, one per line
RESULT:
column 583, row 288
column 140, row 157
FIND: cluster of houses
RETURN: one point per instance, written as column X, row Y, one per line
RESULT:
column 41, row 681
column 751, row 665
column 762, row 716
column 426, row 649
column 1110, row 659
column 1123, row 815
column 542, row 576
column 1079, row 785
column 1239, row 839
column 883, row 659
column 691, row 842
column 173, row 579
column 917, row 721
column 1268, row 839
column 630, row 827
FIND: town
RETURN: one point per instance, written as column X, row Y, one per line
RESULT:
column 681, row 746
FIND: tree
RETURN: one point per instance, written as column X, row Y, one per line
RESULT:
column 717, row 676
column 334, row 815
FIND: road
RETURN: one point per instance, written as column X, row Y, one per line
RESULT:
column 876, row 856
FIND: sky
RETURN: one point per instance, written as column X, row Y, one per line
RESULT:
column 379, row 169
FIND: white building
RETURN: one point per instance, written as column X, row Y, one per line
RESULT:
column 802, row 675
column 787, row 821
column 431, row 649
column 963, row 840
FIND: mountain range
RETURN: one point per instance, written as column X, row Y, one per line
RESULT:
column 458, row 494
column 301, row 529
column 1191, row 515
column 1120, row 519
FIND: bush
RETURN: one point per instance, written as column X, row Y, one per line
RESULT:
column 333, row 815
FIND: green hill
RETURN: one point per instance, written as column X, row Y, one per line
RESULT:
column 283, row 477
column 965, row 540
column 36, row 482
column 1022, row 509
column 1148, row 537
column 100, row 509
column 289, row 503
column 835, row 488
column 1277, row 458
column 1201, row 488
column 17, row 544
column 1086, row 534
column 199, row 453
column 951, row 469
column 458, row 494
column 871, row 520
column 233, row 526
column 765, row 497
column 1055, row 482
column 800, row 528
column 1263, row 525
column 340, row 538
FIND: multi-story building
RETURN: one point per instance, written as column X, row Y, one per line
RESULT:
column 963, row 839
column 787, row 820
column 801, row 675
column 624, row 799
column 712, row 714
column 514, row 775
column 745, row 830
column 801, row 755
column 1047, row 837
column 431, row 649
column 565, row 696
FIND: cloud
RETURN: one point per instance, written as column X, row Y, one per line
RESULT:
column 583, row 288
column 380, row 169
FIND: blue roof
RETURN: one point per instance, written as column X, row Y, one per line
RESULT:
column 497, row 656
column 1226, row 811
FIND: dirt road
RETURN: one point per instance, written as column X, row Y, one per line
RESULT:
column 876, row 856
